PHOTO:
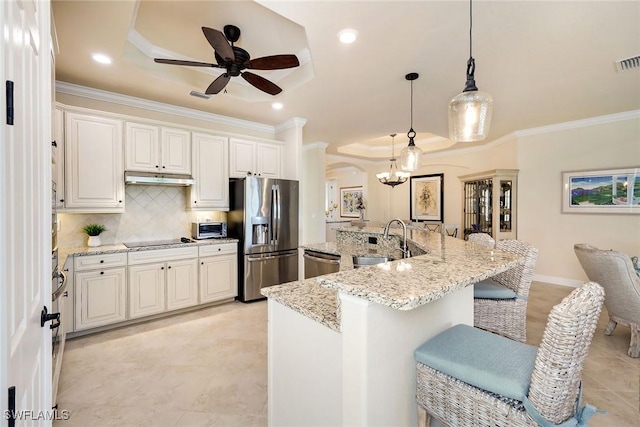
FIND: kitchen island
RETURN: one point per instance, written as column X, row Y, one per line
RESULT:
column 341, row 345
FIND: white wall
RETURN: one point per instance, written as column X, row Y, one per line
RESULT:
column 542, row 158
column 312, row 194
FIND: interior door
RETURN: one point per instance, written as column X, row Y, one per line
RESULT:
column 25, row 212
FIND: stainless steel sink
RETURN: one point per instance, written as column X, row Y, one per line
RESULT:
column 366, row 260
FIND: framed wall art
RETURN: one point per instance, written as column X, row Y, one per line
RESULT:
column 601, row 191
column 351, row 201
column 426, row 197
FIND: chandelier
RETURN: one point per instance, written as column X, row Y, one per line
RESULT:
column 470, row 111
column 394, row 176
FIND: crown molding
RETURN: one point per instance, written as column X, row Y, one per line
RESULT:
column 296, row 122
column 592, row 121
column 130, row 101
column 314, row 145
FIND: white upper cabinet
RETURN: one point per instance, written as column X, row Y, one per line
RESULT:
column 211, row 172
column 94, row 164
column 254, row 158
column 157, row 149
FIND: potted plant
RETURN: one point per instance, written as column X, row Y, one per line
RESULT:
column 93, row 231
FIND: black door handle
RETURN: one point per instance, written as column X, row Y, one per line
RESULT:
column 45, row 317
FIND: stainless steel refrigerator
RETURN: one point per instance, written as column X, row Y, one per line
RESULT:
column 263, row 215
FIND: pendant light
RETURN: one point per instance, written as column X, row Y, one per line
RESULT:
column 394, row 176
column 470, row 111
column 411, row 154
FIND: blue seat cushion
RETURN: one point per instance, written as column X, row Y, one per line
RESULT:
column 490, row 289
column 485, row 360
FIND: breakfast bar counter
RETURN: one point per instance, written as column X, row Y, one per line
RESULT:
column 341, row 345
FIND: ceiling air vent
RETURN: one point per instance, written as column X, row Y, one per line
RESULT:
column 628, row 63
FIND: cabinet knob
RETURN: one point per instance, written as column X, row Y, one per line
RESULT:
column 169, row 267
column 161, row 268
column 202, row 263
column 163, row 167
column 101, row 261
column 61, row 200
column 157, row 166
column 219, row 249
column 102, row 272
column 119, row 201
column 195, row 201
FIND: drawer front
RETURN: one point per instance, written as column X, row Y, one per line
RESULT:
column 159, row 255
column 221, row 249
column 91, row 262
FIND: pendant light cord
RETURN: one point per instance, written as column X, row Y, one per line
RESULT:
column 470, row 28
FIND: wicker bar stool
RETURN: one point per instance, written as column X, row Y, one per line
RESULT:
column 470, row 377
column 500, row 302
column 482, row 239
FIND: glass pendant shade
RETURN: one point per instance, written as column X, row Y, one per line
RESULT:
column 410, row 157
column 470, row 116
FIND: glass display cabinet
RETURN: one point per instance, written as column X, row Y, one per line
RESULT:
column 489, row 201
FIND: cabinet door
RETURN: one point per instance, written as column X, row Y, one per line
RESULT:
column 182, row 283
column 241, row 158
column 218, row 278
column 142, row 147
column 176, row 151
column 146, row 289
column 100, row 297
column 268, row 160
column 94, row 164
column 211, row 172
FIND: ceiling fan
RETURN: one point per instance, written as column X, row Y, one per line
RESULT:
column 234, row 60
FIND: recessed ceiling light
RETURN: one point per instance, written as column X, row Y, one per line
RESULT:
column 101, row 58
column 277, row 105
column 348, row 35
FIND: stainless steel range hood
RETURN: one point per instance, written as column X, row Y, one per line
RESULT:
column 152, row 178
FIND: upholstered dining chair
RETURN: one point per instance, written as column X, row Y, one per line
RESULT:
column 467, row 376
column 616, row 273
column 484, row 239
column 500, row 302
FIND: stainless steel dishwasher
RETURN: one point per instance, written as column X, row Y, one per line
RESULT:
column 320, row 263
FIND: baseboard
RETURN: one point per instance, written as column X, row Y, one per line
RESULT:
column 562, row 281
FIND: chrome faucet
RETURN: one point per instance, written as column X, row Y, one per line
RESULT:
column 405, row 249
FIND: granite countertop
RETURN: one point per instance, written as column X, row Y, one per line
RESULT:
column 449, row 264
column 348, row 250
column 64, row 253
column 310, row 299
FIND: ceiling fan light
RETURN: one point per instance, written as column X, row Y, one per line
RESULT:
column 470, row 116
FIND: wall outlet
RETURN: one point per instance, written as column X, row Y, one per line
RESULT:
column 373, row 240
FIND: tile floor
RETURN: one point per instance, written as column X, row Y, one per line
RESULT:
column 209, row 368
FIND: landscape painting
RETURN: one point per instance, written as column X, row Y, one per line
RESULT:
column 604, row 191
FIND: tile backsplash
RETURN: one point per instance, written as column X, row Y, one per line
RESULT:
column 151, row 213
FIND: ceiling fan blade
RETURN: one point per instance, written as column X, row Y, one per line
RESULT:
column 219, row 42
column 218, row 84
column 188, row 63
column 275, row 62
column 261, row 83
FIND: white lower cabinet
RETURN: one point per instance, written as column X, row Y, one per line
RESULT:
column 162, row 280
column 182, row 284
column 146, row 289
column 218, row 272
column 100, row 284
column 100, row 297
column 116, row 287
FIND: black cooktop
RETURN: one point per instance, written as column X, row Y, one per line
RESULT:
column 158, row 243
